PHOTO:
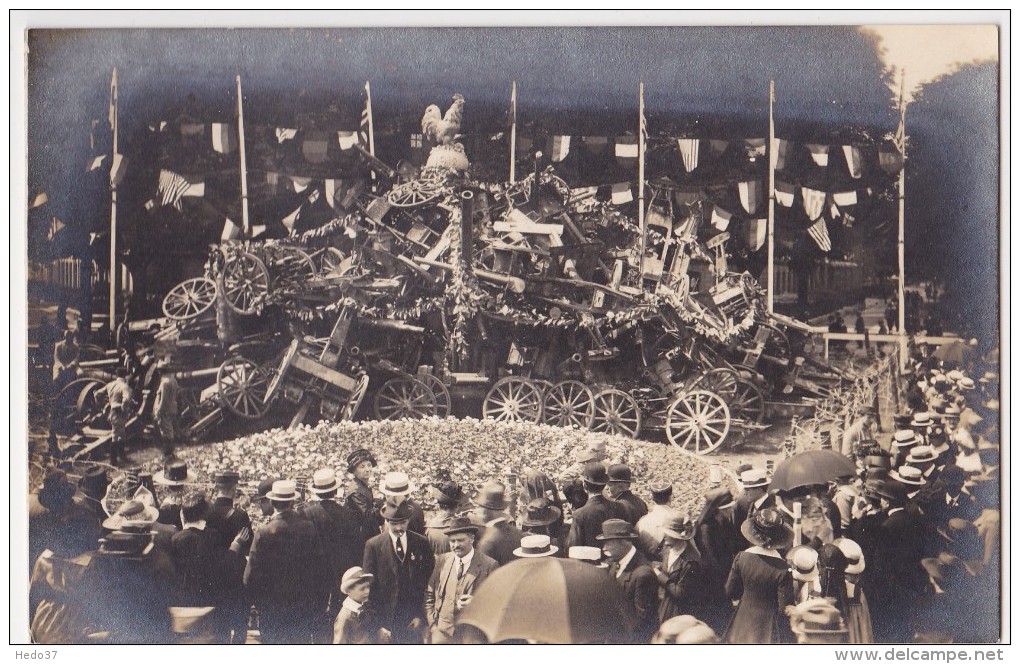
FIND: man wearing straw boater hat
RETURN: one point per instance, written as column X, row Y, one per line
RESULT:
column 336, row 526
column 396, row 489
column 539, row 519
column 588, row 520
column 401, row 562
column 634, row 574
column 500, row 535
column 287, row 575
column 455, row 579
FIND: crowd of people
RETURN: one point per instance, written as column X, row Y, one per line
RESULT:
column 905, row 550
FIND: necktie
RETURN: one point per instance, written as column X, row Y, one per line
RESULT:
column 460, row 569
column 400, row 550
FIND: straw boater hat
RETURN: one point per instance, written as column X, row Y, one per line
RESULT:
column 803, row 563
column 284, row 491
column 353, row 577
column 921, row 420
column 396, row 484
column 853, row 553
column 492, row 496
column 324, row 481
column 679, row 527
column 904, row 438
column 613, row 529
column 922, row 454
column 460, row 524
column 132, row 514
column 954, row 376
column 967, row 383
column 767, row 528
column 176, row 473
column 685, row 630
column 540, row 513
column 535, row 546
column 754, row 478
column 817, row 616
column 908, row 475
column 588, row 554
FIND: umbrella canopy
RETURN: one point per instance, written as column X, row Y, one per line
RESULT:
column 550, row 600
column 957, row 352
column 811, row 467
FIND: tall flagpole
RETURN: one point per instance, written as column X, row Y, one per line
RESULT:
column 114, row 274
column 772, row 201
column 368, row 109
column 513, row 132
column 900, row 237
column 641, row 179
column 245, row 223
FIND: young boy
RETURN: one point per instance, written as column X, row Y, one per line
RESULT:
column 353, row 624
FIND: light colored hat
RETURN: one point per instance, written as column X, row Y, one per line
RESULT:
column 853, row 553
column 803, row 562
column 966, row 383
column 535, row 546
column 587, row 553
column 955, row 375
column 921, row 420
column 132, row 514
column 904, row 438
column 756, row 477
column 922, row 454
column 352, row 577
column 284, row 491
column 908, row 475
column 396, row 484
column 324, row 481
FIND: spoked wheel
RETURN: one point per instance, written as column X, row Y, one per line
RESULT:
column 720, row 380
column 189, row 407
column 403, row 397
column 350, row 409
column 412, row 194
column 89, row 410
column 513, row 399
column 748, row 403
column 64, row 415
column 698, row 421
column 443, row 401
column 568, row 404
column 243, row 386
column 330, row 261
column 245, row 283
column 189, row 299
column 293, row 265
column 616, row 412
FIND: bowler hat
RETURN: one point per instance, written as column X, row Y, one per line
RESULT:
column 396, row 484
column 353, row 577
column 459, row 524
column 767, row 528
column 620, row 472
column 227, row 478
column 491, row 497
column 132, row 514
column 57, row 493
column 616, row 529
column 595, row 473
column 891, row 490
column 284, row 491
column 357, row 456
column 448, row 492
column 324, row 481
column 391, row 512
column 535, row 546
column 94, row 482
column 540, row 513
column 176, row 473
column 127, row 545
column 679, row 527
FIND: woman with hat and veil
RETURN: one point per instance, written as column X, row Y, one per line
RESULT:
column 760, row 580
column 361, row 498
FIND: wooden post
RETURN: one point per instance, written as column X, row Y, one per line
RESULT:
column 902, row 134
column 513, row 132
column 245, row 222
column 113, row 208
column 641, row 181
column 466, row 236
column 770, row 286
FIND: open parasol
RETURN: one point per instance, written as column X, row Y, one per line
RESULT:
column 550, row 600
column 955, row 353
column 811, row 467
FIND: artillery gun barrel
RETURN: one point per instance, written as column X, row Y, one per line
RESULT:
column 516, row 284
column 386, row 324
column 376, row 163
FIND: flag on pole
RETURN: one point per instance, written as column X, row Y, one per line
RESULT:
column 814, row 202
column 172, row 187
column 224, row 138
column 595, row 143
column 348, row 139
column 39, row 200
column 782, row 149
column 113, row 99
column 844, row 198
column 689, row 152
column 285, row 134
column 819, row 232
column 559, row 147
column 231, row 231
column 55, row 226
column 367, row 130
column 626, row 147
column 819, row 153
column 118, row 169
column 291, row 219
column 749, row 192
column 785, row 193
column 756, row 229
column 622, row 193
column 720, row 218
column 95, row 163
column 853, row 160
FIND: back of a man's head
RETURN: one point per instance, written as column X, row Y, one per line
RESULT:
column 195, row 507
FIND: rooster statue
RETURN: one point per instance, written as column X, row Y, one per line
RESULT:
column 443, row 130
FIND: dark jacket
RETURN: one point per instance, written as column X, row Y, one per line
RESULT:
column 209, row 573
column 337, row 527
column 588, row 520
column 130, row 597
column 636, row 508
column 685, row 592
column 435, row 531
column 398, row 589
column 499, row 540
column 899, row 581
column 227, row 521
column 286, row 566
column 67, row 535
column 764, row 586
column 642, row 591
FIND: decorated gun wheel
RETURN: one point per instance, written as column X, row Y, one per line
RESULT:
column 513, row 399
column 748, row 402
column 189, row 299
column 291, row 264
column 568, row 404
column 245, row 282
column 698, row 421
column 413, row 193
column 404, row 397
column 243, row 386
column 331, row 260
column 443, row 401
column 721, row 381
column 350, row 409
column 616, row 412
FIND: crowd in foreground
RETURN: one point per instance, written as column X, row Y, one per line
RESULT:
column 905, row 550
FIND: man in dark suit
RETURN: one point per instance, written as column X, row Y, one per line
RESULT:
column 396, row 489
column 455, row 578
column 287, row 577
column 337, row 527
column 588, row 520
column 620, row 478
column 223, row 517
column 634, row 574
column 401, row 563
column 501, row 536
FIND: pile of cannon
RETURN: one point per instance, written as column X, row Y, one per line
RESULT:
column 541, row 302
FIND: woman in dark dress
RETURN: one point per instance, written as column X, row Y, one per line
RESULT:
column 686, row 589
column 761, row 580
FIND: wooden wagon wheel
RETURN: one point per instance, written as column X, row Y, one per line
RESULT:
column 567, row 404
column 65, row 406
column 330, row 261
column 697, row 421
column 89, row 408
column 513, row 399
column 350, row 409
column 293, row 264
column 443, row 401
column 245, row 282
column 748, row 403
column 243, row 386
column 189, row 299
column 720, row 380
column 616, row 412
column 412, row 194
column 404, row 397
